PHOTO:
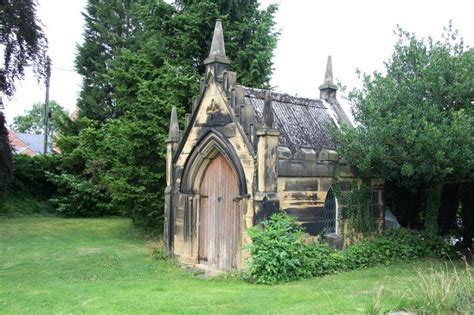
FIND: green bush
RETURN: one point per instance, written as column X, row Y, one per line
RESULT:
column 394, row 245
column 323, row 260
column 279, row 253
column 78, row 197
column 30, row 189
column 16, row 206
column 30, row 176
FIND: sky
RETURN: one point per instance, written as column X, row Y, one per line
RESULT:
column 357, row 34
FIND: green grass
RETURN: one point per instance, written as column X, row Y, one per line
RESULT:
column 54, row 265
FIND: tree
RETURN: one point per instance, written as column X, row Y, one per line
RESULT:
column 22, row 41
column 109, row 27
column 142, row 73
column 415, row 123
column 180, row 32
column 249, row 33
column 33, row 120
column 5, row 158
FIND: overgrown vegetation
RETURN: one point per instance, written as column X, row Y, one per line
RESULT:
column 447, row 289
column 26, row 206
column 394, row 245
column 280, row 253
column 442, row 291
column 30, row 175
column 356, row 207
column 29, row 191
column 415, row 124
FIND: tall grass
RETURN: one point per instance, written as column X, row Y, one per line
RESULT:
column 375, row 307
column 443, row 291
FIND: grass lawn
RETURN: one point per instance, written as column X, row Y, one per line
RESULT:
column 54, row 265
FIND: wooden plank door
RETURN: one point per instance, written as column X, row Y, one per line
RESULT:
column 219, row 219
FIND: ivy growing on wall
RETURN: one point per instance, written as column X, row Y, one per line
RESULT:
column 356, row 207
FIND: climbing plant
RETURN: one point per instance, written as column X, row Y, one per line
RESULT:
column 356, row 207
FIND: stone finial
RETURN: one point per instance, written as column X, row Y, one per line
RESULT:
column 217, row 52
column 174, row 126
column 328, row 77
column 268, row 109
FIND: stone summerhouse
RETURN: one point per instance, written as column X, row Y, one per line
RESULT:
column 244, row 154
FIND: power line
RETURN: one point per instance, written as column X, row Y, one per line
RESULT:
column 63, row 69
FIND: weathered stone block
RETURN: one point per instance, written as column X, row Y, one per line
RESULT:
column 284, row 153
column 328, row 155
column 305, row 153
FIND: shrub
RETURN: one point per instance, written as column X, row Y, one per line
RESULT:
column 278, row 252
column 30, row 189
column 322, row 259
column 78, row 197
column 394, row 245
column 16, row 206
column 30, row 175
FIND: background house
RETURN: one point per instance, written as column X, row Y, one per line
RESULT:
column 25, row 143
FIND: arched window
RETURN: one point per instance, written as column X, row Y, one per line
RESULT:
column 330, row 212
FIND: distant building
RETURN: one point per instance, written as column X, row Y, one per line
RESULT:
column 25, row 143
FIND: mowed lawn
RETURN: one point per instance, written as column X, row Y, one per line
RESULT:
column 54, row 265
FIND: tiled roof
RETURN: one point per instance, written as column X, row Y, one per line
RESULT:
column 35, row 142
column 302, row 122
column 23, row 142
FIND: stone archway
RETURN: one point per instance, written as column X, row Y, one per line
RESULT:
column 213, row 160
column 211, row 144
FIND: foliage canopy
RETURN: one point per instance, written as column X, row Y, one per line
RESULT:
column 415, row 122
column 22, row 41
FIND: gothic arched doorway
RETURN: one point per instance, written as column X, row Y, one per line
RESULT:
column 219, row 219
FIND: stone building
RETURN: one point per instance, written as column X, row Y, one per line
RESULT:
column 244, row 154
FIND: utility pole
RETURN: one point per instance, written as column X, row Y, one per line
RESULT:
column 46, row 106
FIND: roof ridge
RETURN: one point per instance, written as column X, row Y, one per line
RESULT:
column 284, row 97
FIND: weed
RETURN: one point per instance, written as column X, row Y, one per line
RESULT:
column 447, row 290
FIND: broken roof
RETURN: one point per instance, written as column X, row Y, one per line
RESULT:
column 302, row 122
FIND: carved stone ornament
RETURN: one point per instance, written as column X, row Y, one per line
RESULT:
column 213, row 107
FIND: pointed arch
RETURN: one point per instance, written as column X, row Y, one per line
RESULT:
column 210, row 145
column 331, row 212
